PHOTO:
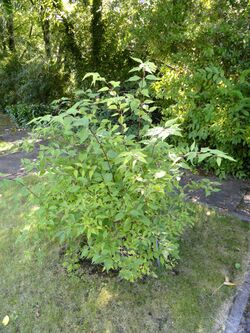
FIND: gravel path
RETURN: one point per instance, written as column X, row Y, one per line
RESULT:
column 245, row 322
column 233, row 197
column 10, row 162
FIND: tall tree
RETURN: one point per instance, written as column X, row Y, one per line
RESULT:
column 45, row 22
column 97, row 31
column 2, row 34
column 9, row 13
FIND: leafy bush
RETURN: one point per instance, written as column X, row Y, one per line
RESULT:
column 34, row 82
column 8, row 72
column 110, row 196
column 22, row 114
column 214, row 111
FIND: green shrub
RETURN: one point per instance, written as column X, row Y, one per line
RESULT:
column 33, row 82
column 22, row 114
column 214, row 111
column 110, row 196
column 9, row 67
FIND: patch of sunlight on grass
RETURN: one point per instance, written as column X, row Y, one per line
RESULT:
column 104, row 298
column 9, row 146
column 39, row 296
column 4, row 146
column 12, row 147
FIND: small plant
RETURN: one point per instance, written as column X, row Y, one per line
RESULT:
column 109, row 195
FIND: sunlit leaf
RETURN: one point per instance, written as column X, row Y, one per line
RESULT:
column 137, row 60
column 134, row 78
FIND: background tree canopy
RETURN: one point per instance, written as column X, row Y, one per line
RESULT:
column 200, row 46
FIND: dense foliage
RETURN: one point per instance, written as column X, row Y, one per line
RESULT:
column 109, row 195
column 214, row 110
column 114, row 152
column 202, row 48
column 22, row 114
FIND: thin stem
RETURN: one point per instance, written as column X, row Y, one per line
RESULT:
column 106, row 157
column 27, row 188
column 103, row 150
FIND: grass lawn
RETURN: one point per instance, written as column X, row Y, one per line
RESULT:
column 40, row 297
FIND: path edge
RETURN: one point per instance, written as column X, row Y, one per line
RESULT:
column 239, row 305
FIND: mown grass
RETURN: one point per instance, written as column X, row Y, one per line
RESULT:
column 40, row 297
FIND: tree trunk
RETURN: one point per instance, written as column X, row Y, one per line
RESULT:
column 2, row 35
column 97, row 33
column 46, row 30
column 70, row 41
column 8, row 7
column 46, row 37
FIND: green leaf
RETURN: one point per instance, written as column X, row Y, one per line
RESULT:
column 83, row 135
column 84, row 122
column 153, row 108
column 115, row 84
column 148, row 66
column 193, row 146
column 108, row 177
column 108, row 264
column 95, row 77
column 92, row 171
column 103, row 89
column 218, row 161
column 112, row 107
column 162, row 133
column 202, row 157
column 137, row 60
column 119, row 216
column 160, row 174
column 171, row 122
column 135, row 69
column 134, row 78
column 145, row 92
column 152, row 77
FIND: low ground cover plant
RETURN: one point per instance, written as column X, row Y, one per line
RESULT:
column 109, row 195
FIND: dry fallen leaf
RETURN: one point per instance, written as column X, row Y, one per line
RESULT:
column 227, row 282
column 6, row 320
